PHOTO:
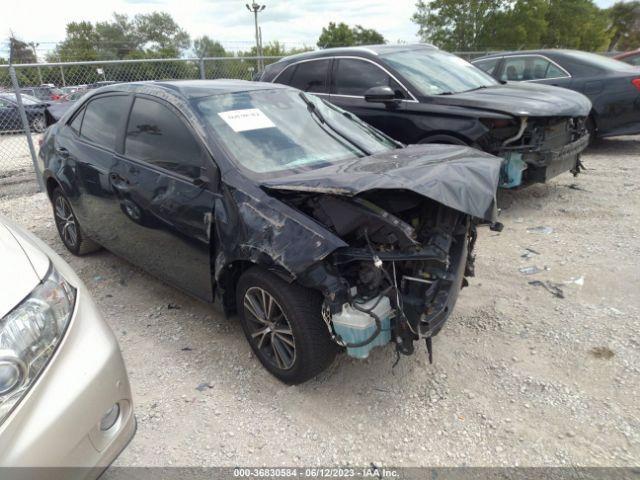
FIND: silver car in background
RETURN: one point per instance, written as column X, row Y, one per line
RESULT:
column 65, row 399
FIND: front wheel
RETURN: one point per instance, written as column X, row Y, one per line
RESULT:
column 284, row 326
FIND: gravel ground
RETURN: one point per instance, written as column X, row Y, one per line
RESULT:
column 521, row 376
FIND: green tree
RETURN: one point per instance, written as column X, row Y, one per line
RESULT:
column 21, row 52
column 367, row 36
column 523, row 26
column 455, row 25
column 118, row 39
column 80, row 44
column 341, row 35
column 154, row 35
column 207, row 47
column 162, row 36
column 578, row 24
column 624, row 26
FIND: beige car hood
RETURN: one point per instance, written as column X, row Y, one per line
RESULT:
column 23, row 267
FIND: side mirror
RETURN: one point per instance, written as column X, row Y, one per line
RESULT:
column 382, row 94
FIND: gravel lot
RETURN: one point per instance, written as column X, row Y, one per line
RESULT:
column 521, row 377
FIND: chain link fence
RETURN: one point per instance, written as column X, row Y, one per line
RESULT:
column 43, row 84
column 22, row 119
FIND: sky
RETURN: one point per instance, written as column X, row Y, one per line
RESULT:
column 294, row 22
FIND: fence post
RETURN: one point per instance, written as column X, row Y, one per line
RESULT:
column 202, row 75
column 64, row 84
column 25, row 125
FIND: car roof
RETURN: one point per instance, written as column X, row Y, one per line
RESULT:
column 544, row 51
column 190, row 89
column 368, row 49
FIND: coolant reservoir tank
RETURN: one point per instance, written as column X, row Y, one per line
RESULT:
column 354, row 326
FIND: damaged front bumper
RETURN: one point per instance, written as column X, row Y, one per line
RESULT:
column 543, row 156
column 399, row 296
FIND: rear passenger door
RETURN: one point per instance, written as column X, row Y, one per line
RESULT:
column 164, row 184
column 351, row 78
column 86, row 147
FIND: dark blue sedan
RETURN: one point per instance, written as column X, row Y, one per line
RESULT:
column 10, row 120
column 612, row 86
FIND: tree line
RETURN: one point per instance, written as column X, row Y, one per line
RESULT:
column 528, row 24
column 449, row 24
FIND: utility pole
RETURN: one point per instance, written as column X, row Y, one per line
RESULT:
column 256, row 8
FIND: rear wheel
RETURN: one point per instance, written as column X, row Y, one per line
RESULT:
column 68, row 227
column 283, row 325
column 38, row 125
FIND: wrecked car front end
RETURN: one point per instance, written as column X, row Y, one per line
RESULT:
column 408, row 221
column 540, row 130
column 383, row 234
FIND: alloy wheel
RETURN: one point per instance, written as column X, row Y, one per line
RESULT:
column 66, row 222
column 269, row 329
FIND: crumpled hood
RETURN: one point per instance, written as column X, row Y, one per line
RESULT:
column 462, row 178
column 522, row 99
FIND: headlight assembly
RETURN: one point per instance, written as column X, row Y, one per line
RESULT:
column 29, row 335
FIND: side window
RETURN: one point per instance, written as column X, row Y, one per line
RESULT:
column 530, row 68
column 103, row 118
column 285, row 76
column 156, row 135
column 489, row 65
column 310, row 76
column 554, row 72
column 77, row 121
column 513, row 70
column 355, row 77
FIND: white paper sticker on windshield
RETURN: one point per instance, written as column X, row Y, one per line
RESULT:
column 247, row 119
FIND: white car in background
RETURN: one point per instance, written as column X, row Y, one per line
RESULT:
column 65, row 399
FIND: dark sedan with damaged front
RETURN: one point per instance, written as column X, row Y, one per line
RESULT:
column 321, row 232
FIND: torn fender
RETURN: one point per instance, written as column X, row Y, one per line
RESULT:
column 461, row 178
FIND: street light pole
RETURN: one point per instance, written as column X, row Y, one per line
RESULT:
column 256, row 8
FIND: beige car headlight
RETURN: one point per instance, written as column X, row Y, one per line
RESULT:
column 29, row 335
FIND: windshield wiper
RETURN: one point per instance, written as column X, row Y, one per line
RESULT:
column 474, row 89
column 313, row 109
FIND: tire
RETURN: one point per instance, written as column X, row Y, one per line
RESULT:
column 68, row 226
column 39, row 125
column 593, row 131
column 308, row 348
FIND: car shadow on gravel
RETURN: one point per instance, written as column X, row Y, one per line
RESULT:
column 615, row 146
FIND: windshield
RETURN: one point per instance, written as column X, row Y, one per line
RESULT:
column 268, row 131
column 434, row 72
column 601, row 61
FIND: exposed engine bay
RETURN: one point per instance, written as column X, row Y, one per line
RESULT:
column 399, row 278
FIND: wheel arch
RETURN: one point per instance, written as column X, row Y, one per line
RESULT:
column 226, row 280
column 446, row 137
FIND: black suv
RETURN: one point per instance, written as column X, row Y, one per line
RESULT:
column 420, row 94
